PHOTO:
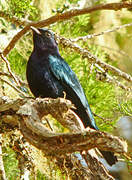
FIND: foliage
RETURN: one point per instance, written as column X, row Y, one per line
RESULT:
column 126, row 107
column 11, row 164
column 56, row 175
column 22, row 8
column 41, row 176
column 19, row 55
column 17, row 63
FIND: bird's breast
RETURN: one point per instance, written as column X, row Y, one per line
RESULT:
column 42, row 82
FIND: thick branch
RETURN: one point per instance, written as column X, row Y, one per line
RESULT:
column 52, row 143
column 37, row 134
column 56, row 145
column 83, row 167
column 65, row 16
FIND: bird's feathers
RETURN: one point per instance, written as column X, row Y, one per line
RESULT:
column 64, row 74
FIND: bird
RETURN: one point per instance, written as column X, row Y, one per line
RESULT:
column 49, row 75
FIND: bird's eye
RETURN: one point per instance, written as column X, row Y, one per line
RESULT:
column 47, row 34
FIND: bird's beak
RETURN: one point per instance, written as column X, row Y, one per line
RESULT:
column 35, row 30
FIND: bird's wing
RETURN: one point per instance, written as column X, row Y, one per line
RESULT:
column 64, row 73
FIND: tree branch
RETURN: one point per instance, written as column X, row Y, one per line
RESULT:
column 18, row 78
column 83, row 167
column 93, row 59
column 103, row 75
column 9, row 68
column 84, row 38
column 97, row 167
column 65, row 16
column 14, row 87
column 11, row 74
column 28, row 114
column 61, row 143
column 37, row 134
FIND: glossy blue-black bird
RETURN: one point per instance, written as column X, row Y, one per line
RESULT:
column 48, row 75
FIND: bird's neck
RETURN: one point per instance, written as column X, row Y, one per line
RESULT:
column 46, row 52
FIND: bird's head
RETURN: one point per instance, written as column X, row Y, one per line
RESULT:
column 44, row 40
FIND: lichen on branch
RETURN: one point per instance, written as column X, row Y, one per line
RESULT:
column 26, row 115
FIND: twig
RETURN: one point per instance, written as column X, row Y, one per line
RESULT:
column 5, row 74
column 111, row 79
column 18, row 78
column 14, row 87
column 120, row 52
column 2, row 170
column 106, row 121
column 9, row 68
column 65, row 16
column 47, row 120
column 84, row 38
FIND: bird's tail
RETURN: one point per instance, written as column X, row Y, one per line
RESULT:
column 88, row 121
column 109, row 157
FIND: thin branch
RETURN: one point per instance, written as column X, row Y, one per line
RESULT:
column 18, row 81
column 93, row 59
column 14, row 87
column 65, row 16
column 120, row 52
column 84, row 38
column 9, row 68
column 110, row 79
column 47, row 121
column 18, row 78
column 5, row 74
column 106, row 121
